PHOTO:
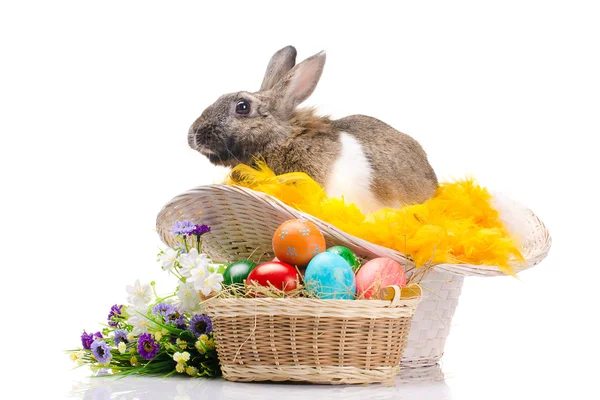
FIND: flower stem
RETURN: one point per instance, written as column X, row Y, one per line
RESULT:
column 198, row 243
column 164, row 298
column 154, row 289
column 178, row 275
column 185, row 244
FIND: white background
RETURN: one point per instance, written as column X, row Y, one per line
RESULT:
column 96, row 99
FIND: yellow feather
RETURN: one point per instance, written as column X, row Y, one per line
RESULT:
column 457, row 226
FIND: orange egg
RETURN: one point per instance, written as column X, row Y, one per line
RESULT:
column 297, row 241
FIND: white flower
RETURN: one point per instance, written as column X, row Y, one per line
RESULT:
column 197, row 277
column 139, row 295
column 191, row 261
column 122, row 347
column 188, row 296
column 181, row 358
column 180, row 368
column 140, row 324
column 191, row 371
column 168, row 259
column 211, row 283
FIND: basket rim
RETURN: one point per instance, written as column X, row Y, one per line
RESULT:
column 395, row 299
column 465, row 269
column 286, row 301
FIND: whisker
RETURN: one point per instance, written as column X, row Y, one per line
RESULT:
column 230, row 153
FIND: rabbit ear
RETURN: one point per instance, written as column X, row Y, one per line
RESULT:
column 280, row 64
column 300, row 82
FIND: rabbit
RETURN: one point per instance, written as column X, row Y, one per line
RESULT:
column 358, row 157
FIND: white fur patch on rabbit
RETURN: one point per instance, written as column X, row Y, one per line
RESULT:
column 351, row 176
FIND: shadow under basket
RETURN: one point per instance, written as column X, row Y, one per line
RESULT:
column 310, row 340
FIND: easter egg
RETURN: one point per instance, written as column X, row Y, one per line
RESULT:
column 237, row 272
column 347, row 255
column 329, row 276
column 281, row 275
column 297, row 241
column 378, row 274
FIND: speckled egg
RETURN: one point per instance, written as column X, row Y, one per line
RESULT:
column 329, row 276
column 297, row 241
column 347, row 255
column 378, row 274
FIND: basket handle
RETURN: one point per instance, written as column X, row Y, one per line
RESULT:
column 395, row 293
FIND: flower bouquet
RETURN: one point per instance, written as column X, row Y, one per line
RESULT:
column 161, row 335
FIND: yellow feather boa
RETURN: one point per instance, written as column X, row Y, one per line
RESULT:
column 457, row 226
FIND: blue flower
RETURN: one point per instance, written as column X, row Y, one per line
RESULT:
column 88, row 338
column 179, row 321
column 164, row 310
column 101, row 351
column 200, row 325
column 183, row 228
column 176, row 319
column 120, row 336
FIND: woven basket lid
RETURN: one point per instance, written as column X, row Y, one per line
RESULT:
column 242, row 222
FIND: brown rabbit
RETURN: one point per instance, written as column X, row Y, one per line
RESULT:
column 358, row 157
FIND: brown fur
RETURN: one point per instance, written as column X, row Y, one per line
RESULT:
column 305, row 122
column 292, row 140
column 312, row 147
column 402, row 173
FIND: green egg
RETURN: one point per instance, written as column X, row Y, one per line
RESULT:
column 237, row 272
column 347, row 255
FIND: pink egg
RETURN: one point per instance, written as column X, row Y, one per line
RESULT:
column 378, row 274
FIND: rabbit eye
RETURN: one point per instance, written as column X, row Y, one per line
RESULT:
column 242, row 107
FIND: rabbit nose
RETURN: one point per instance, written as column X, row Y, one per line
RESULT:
column 197, row 124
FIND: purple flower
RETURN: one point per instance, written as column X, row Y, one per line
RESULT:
column 101, row 351
column 164, row 310
column 200, row 325
column 176, row 318
column 178, row 321
column 115, row 311
column 183, row 228
column 200, row 230
column 120, row 336
column 147, row 347
column 88, row 338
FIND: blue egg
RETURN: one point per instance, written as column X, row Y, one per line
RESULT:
column 329, row 276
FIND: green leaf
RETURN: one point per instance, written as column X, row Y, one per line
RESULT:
column 187, row 336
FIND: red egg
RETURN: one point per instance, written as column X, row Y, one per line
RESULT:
column 378, row 274
column 281, row 275
column 297, row 241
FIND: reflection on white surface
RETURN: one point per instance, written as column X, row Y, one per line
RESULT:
column 182, row 388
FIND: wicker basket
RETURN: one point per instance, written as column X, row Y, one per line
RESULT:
column 244, row 220
column 309, row 340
